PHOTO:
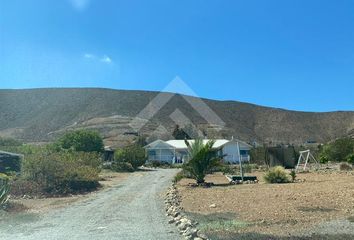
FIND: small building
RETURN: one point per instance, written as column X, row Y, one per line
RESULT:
column 10, row 162
column 176, row 151
column 285, row 156
column 108, row 154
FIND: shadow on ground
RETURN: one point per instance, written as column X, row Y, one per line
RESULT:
column 257, row 236
column 226, row 226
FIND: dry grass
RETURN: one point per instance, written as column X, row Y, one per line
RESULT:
column 273, row 209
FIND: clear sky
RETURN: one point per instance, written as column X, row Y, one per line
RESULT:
column 294, row 54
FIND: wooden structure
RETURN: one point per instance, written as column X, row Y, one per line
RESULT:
column 281, row 156
column 10, row 162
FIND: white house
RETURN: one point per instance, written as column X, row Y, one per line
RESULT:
column 176, row 151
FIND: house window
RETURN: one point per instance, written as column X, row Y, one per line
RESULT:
column 152, row 152
column 244, row 152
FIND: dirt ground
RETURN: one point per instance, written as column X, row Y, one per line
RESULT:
column 45, row 204
column 130, row 210
column 270, row 209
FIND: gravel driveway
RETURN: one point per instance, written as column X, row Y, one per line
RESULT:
column 133, row 209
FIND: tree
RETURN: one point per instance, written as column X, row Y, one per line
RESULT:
column 141, row 141
column 179, row 134
column 191, row 131
column 134, row 154
column 82, row 141
column 338, row 150
column 202, row 159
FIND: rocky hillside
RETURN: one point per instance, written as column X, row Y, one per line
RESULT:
column 39, row 115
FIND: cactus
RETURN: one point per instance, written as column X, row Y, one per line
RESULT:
column 4, row 190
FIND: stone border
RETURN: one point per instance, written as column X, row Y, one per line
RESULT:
column 186, row 227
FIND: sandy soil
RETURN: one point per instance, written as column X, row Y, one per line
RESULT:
column 274, row 209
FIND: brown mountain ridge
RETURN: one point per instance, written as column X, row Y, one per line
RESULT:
column 39, row 115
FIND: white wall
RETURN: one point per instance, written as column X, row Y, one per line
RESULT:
column 162, row 155
column 231, row 151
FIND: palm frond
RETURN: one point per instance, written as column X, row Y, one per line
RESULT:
column 4, row 191
column 202, row 159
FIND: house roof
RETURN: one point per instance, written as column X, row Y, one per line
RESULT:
column 159, row 144
column 10, row 154
column 241, row 142
column 180, row 144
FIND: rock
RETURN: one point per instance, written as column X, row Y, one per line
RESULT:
column 185, row 226
column 175, row 214
column 182, row 226
column 213, row 205
column 191, row 232
column 194, row 222
column 202, row 236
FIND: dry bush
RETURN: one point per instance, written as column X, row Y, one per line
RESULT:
column 21, row 187
column 60, row 172
column 276, row 175
column 345, row 166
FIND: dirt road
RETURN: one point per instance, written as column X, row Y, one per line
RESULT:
column 131, row 210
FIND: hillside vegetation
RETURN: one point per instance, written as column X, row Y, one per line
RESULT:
column 40, row 115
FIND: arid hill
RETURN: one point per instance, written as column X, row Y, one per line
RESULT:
column 39, row 115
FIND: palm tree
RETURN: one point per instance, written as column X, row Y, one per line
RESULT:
column 202, row 159
column 4, row 189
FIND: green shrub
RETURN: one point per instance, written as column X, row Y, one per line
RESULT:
column 81, row 141
column 229, row 169
column 324, row 159
column 158, row 164
column 24, row 149
column 338, row 150
column 153, row 164
column 134, row 154
column 350, row 158
column 178, row 177
column 235, row 169
column 293, row 175
column 276, row 175
column 9, row 142
column 122, row 167
column 248, row 168
column 176, row 165
column 62, row 172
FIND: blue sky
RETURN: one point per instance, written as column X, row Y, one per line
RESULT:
column 294, row 54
